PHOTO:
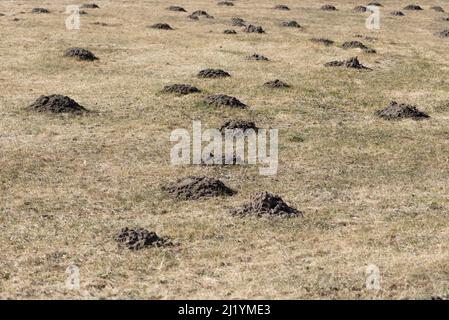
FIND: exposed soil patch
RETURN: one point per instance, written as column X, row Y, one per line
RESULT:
column 40, row 10
column 413, row 7
column 161, row 26
column 180, row 89
column 290, row 24
column 443, row 34
column 437, row 8
column 396, row 111
column 90, row 6
column 176, row 9
column 200, row 14
column 80, row 54
column 257, row 57
column 397, row 13
column 196, row 187
column 265, row 203
column 238, row 125
column 56, row 103
column 238, row 22
column 225, row 3
column 350, row 63
column 219, row 100
column 324, row 41
column 281, row 7
column 136, row 239
column 253, row 29
column 276, row 84
column 230, row 32
column 359, row 9
column 213, row 73
column 328, row 7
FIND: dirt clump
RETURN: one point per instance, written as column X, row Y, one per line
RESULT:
column 161, row 26
column 89, row 6
column 238, row 124
column 225, row 3
column 328, row 7
column 353, row 45
column 324, row 41
column 290, row 24
column 197, row 187
column 350, row 63
column 219, row 100
column 180, row 89
column 139, row 238
column 257, row 57
column 238, row 22
column 396, row 111
column 437, row 8
column 281, row 7
column 266, row 204
column 413, row 7
column 443, row 34
column 253, row 29
column 200, row 14
column 276, row 84
column 40, row 10
column 359, row 9
column 56, row 103
column 230, row 31
column 176, row 9
column 375, row 4
column 213, row 73
column 397, row 13
column 80, row 54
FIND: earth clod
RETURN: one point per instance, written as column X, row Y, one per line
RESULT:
column 220, row 100
column 213, row 73
column 80, row 54
column 56, row 103
column 396, row 111
column 197, row 187
column 180, row 89
column 266, row 204
column 136, row 239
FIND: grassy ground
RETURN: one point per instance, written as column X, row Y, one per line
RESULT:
column 373, row 192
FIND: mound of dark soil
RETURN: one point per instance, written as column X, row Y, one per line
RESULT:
column 276, row 84
column 200, row 14
column 225, row 3
column 136, row 239
column 213, row 73
column 176, row 9
column 353, row 45
column 291, row 24
column 437, row 8
column 180, row 89
column 238, row 22
column 80, row 53
column 253, row 29
column 82, row 12
column 56, row 103
column 328, row 7
column 161, row 26
column 238, row 125
column 90, row 6
column 359, row 9
column 257, row 57
column 413, row 7
column 400, row 111
column 219, row 100
column 265, row 203
column 324, row 41
column 350, row 63
column 375, row 4
column 443, row 34
column 397, row 14
column 40, row 10
column 281, row 7
column 196, row 187
column 230, row 32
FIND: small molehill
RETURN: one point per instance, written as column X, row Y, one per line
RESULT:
column 40, row 10
column 324, row 41
column 443, row 34
column 161, row 26
column 56, row 103
column 290, row 24
column 136, row 239
column 359, row 9
column 213, row 73
column 90, row 6
column 350, row 63
column 353, row 45
column 413, row 7
column 396, row 111
column 375, row 4
column 276, row 84
column 266, row 204
column 253, row 29
column 200, row 14
column 328, row 7
column 180, row 89
column 230, row 31
column 197, row 187
column 225, row 3
column 80, row 54
column 281, row 7
column 257, row 57
column 222, row 100
column 437, row 8
column 238, row 22
column 238, row 124
column 176, row 9
column 397, row 13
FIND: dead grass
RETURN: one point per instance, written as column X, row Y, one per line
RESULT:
column 373, row 191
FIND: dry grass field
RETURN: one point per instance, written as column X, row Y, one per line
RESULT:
column 372, row 191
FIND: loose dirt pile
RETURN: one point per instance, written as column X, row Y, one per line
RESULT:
column 265, row 203
column 443, row 34
column 80, row 54
column 56, row 103
column 257, row 57
column 196, row 187
column 213, row 73
column 324, row 41
column 276, row 84
column 225, row 3
column 253, row 29
column 375, row 4
column 437, row 8
column 290, row 24
column 396, row 111
column 397, row 14
column 328, row 7
column 350, row 63
column 359, row 9
column 281, row 7
column 238, row 125
column 180, row 89
column 200, row 14
column 353, row 45
column 40, row 10
column 136, row 239
column 90, row 6
column 220, row 100
column 161, row 26
column 230, row 32
column 238, row 22
column 413, row 7
column 176, row 9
